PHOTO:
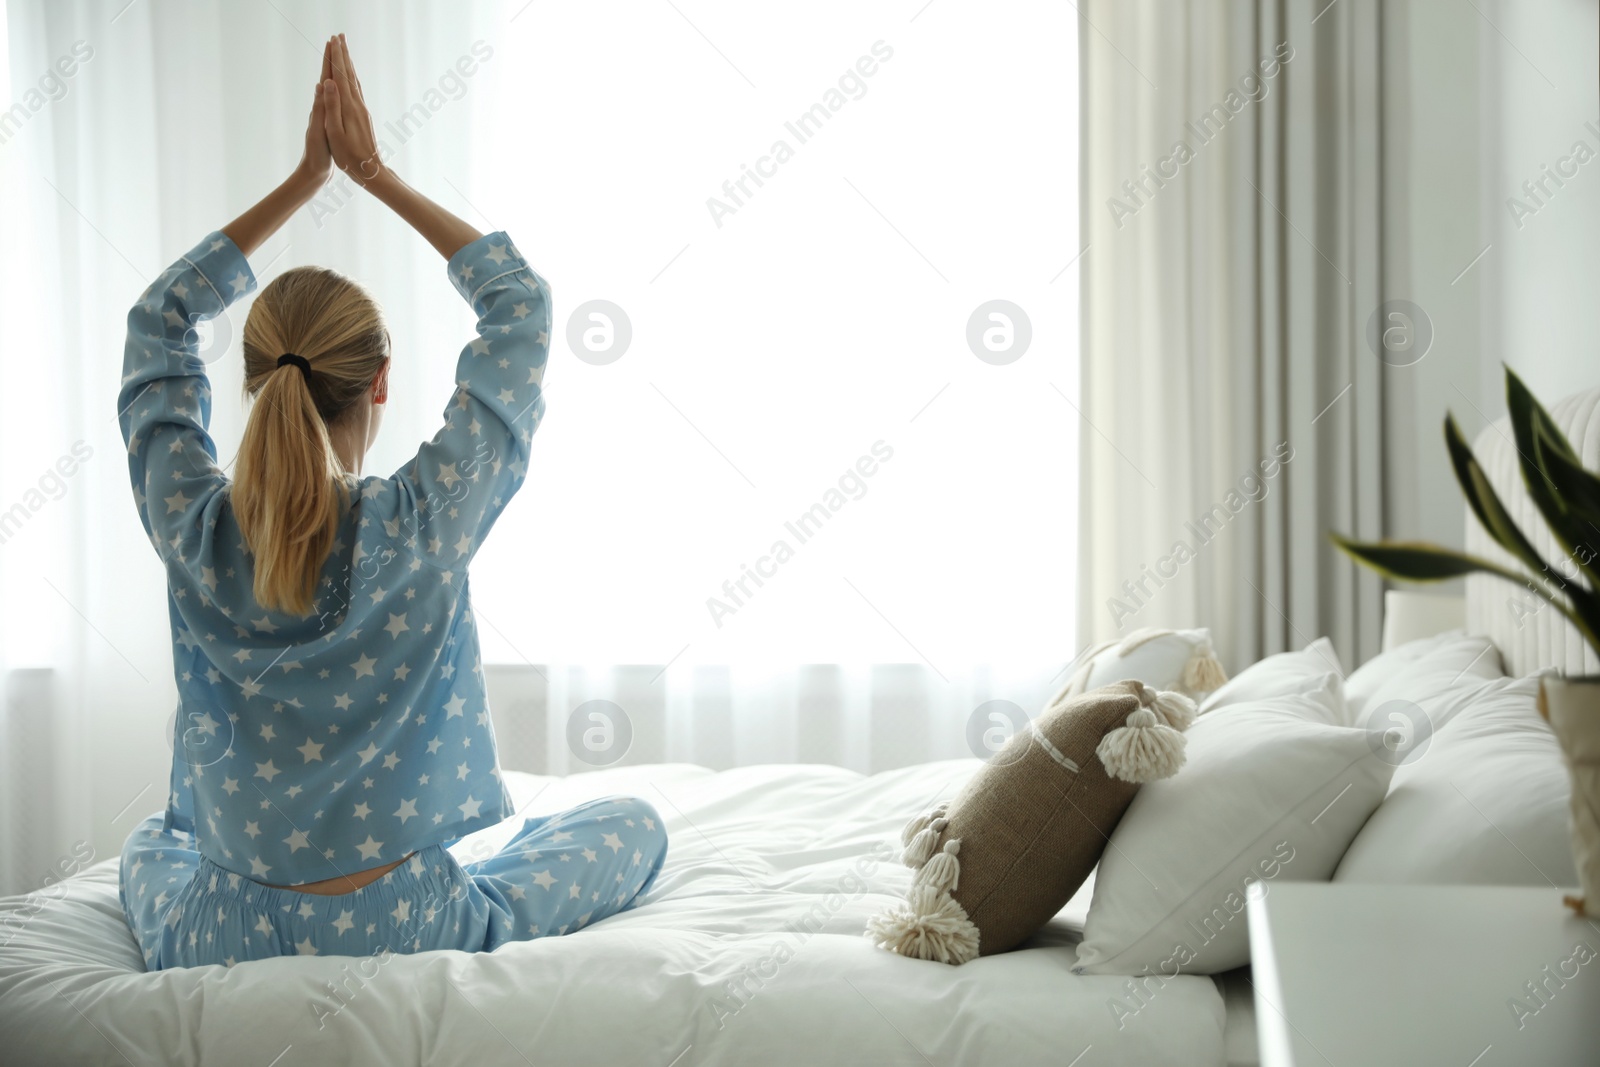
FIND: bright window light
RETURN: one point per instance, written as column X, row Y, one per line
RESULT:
column 820, row 443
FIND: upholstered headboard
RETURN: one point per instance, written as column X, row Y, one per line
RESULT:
column 1529, row 632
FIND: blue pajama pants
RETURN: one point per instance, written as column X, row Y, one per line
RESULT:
column 559, row 874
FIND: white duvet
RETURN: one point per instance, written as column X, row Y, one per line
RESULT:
column 748, row 950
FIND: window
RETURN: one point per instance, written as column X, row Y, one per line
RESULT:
column 799, row 456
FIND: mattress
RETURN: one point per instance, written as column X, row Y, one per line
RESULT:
column 748, row 949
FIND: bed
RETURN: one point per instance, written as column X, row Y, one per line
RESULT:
column 749, row 949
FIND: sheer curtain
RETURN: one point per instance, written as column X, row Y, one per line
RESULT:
column 753, row 346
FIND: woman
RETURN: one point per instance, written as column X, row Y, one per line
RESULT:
column 334, row 734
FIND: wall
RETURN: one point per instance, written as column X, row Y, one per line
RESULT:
column 1543, row 283
column 1480, row 100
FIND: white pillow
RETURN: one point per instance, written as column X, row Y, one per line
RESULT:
column 1482, row 802
column 1271, row 791
column 1181, row 660
column 1422, row 672
column 1313, row 672
column 1439, row 682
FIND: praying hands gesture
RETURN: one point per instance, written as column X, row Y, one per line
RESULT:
column 340, row 134
column 347, row 123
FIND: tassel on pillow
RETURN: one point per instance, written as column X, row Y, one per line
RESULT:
column 1150, row 744
column 1175, row 709
column 920, row 822
column 943, row 870
column 1143, row 749
column 922, row 837
column 929, row 925
column 1203, row 673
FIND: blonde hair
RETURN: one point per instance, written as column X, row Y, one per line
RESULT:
column 289, row 489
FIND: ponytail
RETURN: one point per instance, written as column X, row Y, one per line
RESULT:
column 288, row 492
column 289, row 488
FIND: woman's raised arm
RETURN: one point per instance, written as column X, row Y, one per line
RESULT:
column 355, row 150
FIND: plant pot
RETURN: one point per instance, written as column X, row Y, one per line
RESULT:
column 1572, row 705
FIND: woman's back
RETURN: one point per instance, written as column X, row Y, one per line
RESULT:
column 309, row 747
column 372, row 709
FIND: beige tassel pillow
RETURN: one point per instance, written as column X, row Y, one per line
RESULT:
column 1162, row 659
column 1019, row 839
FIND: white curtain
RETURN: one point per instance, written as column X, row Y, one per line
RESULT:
column 781, row 344
column 1234, row 409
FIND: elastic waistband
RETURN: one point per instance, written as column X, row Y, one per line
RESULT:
column 430, row 870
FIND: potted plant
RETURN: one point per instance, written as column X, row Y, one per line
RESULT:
column 1568, row 498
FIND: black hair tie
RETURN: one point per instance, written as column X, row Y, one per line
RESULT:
column 298, row 361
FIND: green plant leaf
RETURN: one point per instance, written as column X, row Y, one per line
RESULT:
column 1577, row 487
column 1419, row 561
column 1524, row 409
column 1530, row 424
column 1487, row 506
column 1578, row 492
column 1545, row 425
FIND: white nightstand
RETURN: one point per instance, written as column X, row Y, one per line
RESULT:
column 1464, row 976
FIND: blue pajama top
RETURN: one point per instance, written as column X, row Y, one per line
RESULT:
column 307, row 748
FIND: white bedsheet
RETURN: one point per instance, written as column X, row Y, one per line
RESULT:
column 753, row 852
